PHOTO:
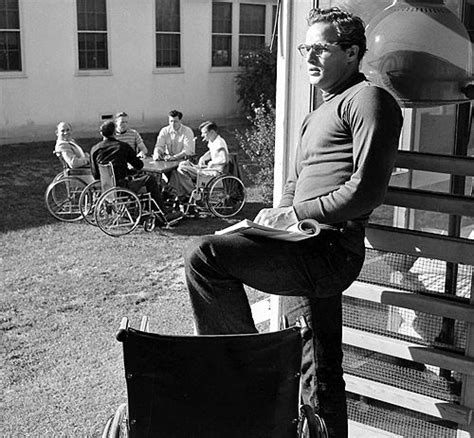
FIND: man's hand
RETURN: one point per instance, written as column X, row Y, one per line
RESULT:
column 280, row 218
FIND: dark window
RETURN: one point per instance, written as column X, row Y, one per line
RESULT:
column 221, row 34
column 92, row 34
column 469, row 19
column 168, row 37
column 251, row 29
column 10, row 44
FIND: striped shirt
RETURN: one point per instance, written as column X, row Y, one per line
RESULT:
column 134, row 139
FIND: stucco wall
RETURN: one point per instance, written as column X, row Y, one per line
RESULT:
column 50, row 88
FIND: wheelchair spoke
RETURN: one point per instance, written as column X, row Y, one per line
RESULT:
column 88, row 201
column 226, row 196
column 62, row 198
column 118, row 212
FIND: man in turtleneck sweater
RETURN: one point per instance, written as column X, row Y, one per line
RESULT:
column 342, row 167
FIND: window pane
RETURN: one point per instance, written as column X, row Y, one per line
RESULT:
column 222, row 18
column 168, row 50
column 470, row 20
column 221, row 50
column 167, row 16
column 249, row 44
column 91, row 15
column 93, row 51
column 252, row 19
column 9, row 14
column 10, row 54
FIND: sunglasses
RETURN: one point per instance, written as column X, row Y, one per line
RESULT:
column 317, row 49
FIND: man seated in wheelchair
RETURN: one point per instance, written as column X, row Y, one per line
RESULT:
column 71, row 154
column 211, row 164
column 120, row 154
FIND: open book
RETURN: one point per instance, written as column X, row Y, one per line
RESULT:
column 302, row 230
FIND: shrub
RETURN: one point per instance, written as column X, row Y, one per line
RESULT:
column 257, row 80
column 258, row 142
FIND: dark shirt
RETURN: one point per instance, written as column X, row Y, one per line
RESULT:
column 116, row 152
column 346, row 152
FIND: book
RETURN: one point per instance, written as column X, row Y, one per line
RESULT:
column 302, row 230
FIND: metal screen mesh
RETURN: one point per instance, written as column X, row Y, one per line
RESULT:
column 399, row 323
column 404, row 374
column 416, row 274
column 397, row 420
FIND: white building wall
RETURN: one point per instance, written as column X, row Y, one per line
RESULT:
column 51, row 88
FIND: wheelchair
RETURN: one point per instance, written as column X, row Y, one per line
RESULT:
column 63, row 193
column 118, row 211
column 213, row 386
column 223, row 195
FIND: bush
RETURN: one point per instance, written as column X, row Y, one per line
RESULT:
column 258, row 142
column 257, row 80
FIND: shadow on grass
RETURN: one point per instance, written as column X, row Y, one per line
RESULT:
column 209, row 224
column 26, row 169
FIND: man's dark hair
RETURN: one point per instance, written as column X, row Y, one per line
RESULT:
column 107, row 129
column 350, row 28
column 210, row 126
column 121, row 114
column 176, row 113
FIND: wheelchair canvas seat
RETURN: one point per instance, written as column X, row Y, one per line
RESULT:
column 232, row 167
column 107, row 176
column 212, row 386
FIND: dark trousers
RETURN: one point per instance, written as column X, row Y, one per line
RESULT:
column 136, row 182
column 312, row 273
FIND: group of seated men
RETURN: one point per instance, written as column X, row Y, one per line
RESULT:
column 123, row 147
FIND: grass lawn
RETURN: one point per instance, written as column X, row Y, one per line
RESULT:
column 64, row 288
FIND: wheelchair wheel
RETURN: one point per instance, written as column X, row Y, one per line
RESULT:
column 225, row 196
column 88, row 200
column 59, row 176
column 62, row 199
column 311, row 425
column 117, row 427
column 118, row 212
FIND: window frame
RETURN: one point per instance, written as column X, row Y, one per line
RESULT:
column 12, row 74
column 99, row 71
column 252, row 35
column 168, row 69
column 222, row 34
column 235, row 44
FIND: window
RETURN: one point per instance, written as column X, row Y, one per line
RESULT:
column 251, row 29
column 92, row 34
column 221, row 34
column 469, row 18
column 240, row 27
column 168, row 37
column 10, row 45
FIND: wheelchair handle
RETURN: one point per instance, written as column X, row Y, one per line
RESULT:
column 123, row 330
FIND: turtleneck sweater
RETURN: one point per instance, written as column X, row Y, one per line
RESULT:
column 345, row 155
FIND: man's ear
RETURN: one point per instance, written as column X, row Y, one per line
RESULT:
column 352, row 53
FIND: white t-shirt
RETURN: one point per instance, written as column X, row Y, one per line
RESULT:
column 219, row 153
